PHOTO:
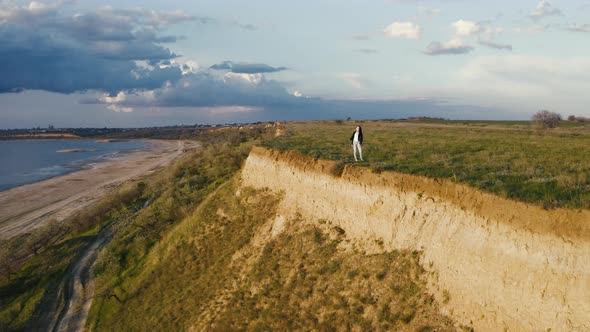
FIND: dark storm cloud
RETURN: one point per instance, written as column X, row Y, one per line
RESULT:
column 44, row 49
column 246, row 68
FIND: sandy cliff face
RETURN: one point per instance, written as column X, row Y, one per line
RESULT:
column 504, row 264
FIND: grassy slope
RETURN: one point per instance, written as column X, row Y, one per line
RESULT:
column 40, row 275
column 216, row 271
column 188, row 184
column 514, row 160
column 28, row 281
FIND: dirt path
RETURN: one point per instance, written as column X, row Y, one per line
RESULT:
column 77, row 289
column 30, row 206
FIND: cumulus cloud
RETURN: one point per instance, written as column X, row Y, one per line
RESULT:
column 408, row 30
column 119, row 109
column 485, row 33
column 467, row 28
column 246, row 68
column 544, row 9
column 354, row 79
column 44, row 48
column 205, row 89
column 454, row 46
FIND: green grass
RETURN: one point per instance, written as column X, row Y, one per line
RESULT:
column 181, row 251
column 24, row 292
column 173, row 199
column 207, row 273
column 184, row 271
column 29, row 277
column 512, row 159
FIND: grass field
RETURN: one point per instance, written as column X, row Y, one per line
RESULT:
column 176, row 235
column 511, row 159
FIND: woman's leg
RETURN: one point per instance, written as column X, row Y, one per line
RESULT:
column 360, row 151
column 354, row 147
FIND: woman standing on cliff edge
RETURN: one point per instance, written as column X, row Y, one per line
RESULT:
column 357, row 142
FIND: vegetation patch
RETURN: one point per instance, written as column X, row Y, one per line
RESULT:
column 515, row 160
column 307, row 285
column 139, row 215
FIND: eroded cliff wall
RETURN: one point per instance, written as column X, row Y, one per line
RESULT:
column 503, row 264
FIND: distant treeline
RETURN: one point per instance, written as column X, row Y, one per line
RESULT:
column 578, row 118
column 168, row 132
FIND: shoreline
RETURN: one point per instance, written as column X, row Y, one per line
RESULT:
column 79, row 165
column 29, row 206
column 21, row 137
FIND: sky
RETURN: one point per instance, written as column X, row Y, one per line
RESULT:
column 155, row 63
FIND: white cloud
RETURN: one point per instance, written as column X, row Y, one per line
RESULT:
column 453, row 46
column 407, row 30
column 467, row 28
column 203, row 89
column 243, row 78
column 354, row 79
column 544, row 9
column 119, row 109
column 485, row 33
column 118, row 98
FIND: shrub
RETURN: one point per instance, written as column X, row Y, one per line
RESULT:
column 546, row 119
column 338, row 169
column 377, row 168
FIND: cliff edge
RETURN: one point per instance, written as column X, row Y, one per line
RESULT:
column 493, row 263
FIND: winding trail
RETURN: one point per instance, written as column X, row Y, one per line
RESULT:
column 78, row 289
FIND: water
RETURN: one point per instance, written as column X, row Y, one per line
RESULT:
column 28, row 161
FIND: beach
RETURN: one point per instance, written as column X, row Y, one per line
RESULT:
column 29, row 206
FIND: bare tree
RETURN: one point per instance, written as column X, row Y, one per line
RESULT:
column 546, row 119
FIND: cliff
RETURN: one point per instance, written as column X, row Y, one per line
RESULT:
column 493, row 263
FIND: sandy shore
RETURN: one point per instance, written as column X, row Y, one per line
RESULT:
column 26, row 207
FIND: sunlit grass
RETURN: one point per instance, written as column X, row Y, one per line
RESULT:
column 512, row 159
